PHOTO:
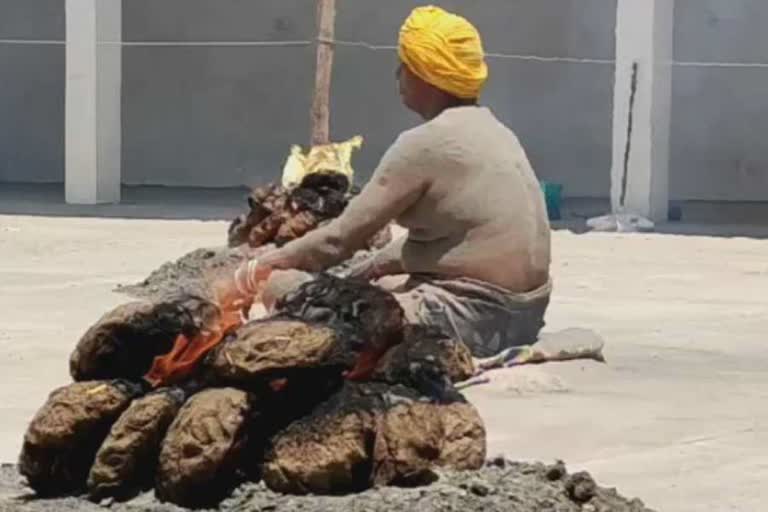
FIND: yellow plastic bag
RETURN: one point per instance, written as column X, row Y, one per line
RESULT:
column 335, row 157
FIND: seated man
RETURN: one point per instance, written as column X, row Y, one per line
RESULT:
column 475, row 261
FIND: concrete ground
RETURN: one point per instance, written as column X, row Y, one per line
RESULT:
column 677, row 416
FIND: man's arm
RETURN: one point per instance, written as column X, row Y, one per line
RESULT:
column 385, row 262
column 398, row 183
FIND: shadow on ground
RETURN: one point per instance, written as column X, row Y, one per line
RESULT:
column 699, row 218
column 169, row 203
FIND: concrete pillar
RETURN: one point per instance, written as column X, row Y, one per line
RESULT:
column 93, row 84
column 644, row 54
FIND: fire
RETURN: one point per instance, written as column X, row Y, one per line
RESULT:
column 187, row 353
column 366, row 364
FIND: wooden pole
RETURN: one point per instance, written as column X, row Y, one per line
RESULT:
column 326, row 16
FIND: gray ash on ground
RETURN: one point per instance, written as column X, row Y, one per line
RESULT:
column 191, row 274
column 500, row 486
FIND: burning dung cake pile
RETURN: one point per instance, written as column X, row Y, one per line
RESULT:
column 332, row 394
column 332, row 403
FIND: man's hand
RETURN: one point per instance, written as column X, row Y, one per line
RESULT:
column 250, row 278
column 363, row 270
column 239, row 289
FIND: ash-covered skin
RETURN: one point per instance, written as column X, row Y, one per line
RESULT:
column 501, row 486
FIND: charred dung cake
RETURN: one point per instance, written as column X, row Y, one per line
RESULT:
column 126, row 461
column 65, row 434
column 369, row 318
column 125, row 341
column 202, row 453
column 373, row 434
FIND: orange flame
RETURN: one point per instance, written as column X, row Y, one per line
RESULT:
column 187, row 353
column 366, row 364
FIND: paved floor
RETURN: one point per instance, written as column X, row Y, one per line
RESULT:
column 677, row 416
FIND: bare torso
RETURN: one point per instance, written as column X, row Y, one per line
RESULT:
column 482, row 214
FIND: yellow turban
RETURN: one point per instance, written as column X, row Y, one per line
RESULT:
column 444, row 50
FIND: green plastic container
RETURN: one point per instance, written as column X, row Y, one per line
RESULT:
column 553, row 194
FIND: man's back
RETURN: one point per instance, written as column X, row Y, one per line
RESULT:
column 482, row 214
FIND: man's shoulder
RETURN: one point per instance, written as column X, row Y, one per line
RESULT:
column 418, row 133
column 416, row 141
column 434, row 132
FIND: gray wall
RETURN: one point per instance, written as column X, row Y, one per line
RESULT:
column 227, row 116
column 720, row 115
column 561, row 112
column 223, row 116
column 32, row 92
column 214, row 116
